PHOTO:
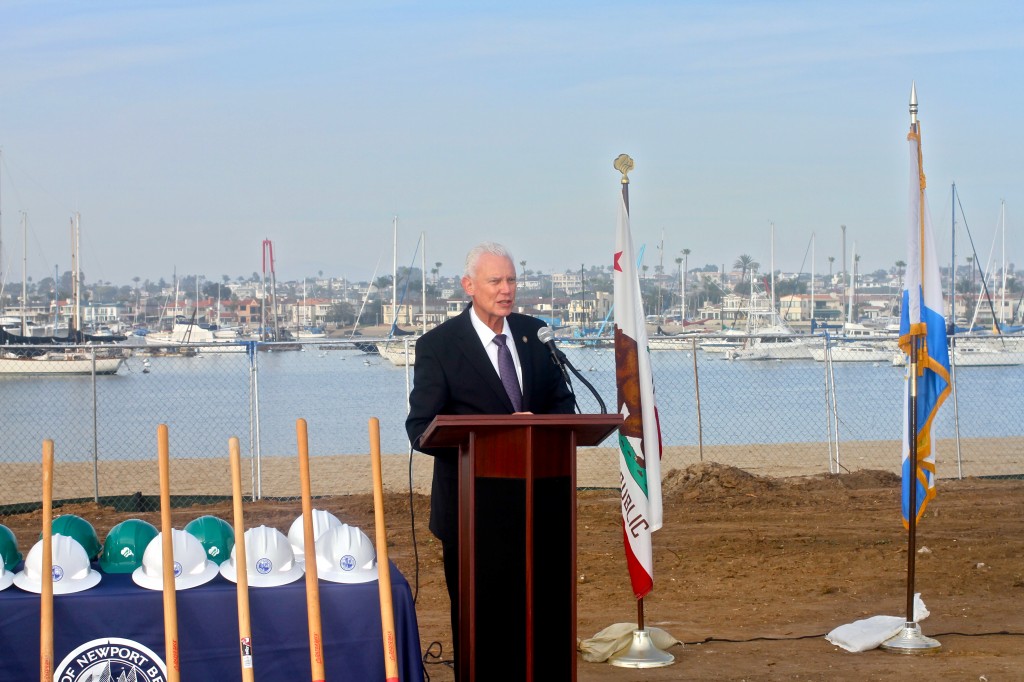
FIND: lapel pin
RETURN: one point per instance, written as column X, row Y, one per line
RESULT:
column 524, row 339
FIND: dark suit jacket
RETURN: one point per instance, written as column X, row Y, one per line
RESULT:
column 453, row 375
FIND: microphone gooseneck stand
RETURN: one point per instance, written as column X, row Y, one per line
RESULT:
column 563, row 362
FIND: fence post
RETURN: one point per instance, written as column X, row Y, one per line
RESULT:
column 696, row 387
column 252, row 349
column 95, row 435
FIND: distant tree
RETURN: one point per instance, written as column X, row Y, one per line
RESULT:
column 709, row 289
column 831, row 260
column 745, row 264
column 789, row 288
column 341, row 314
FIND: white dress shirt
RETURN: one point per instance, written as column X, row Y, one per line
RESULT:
column 487, row 335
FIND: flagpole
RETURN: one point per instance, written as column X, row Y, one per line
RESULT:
column 625, row 201
column 642, row 651
column 912, row 520
column 910, row 639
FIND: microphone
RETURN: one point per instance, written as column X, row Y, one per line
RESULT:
column 547, row 337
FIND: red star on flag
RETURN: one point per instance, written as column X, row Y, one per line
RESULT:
column 618, row 255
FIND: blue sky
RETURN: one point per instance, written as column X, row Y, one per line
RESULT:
column 186, row 133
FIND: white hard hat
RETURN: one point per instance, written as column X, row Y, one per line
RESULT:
column 345, row 555
column 6, row 577
column 269, row 559
column 71, row 570
column 322, row 520
column 191, row 567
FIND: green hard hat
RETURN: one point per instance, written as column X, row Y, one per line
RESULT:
column 125, row 544
column 81, row 530
column 9, row 554
column 216, row 535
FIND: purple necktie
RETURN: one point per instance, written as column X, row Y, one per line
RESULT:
column 507, row 372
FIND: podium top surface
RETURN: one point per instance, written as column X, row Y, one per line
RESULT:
column 447, row 430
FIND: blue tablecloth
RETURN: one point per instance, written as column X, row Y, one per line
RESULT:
column 208, row 628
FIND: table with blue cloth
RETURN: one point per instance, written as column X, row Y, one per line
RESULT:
column 208, row 628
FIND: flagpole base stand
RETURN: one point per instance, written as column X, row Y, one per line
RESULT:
column 909, row 640
column 642, row 653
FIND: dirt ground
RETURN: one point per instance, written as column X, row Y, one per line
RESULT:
column 750, row 573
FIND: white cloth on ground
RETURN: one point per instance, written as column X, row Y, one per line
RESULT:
column 869, row 633
column 617, row 637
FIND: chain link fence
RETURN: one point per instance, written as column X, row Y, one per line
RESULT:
column 730, row 400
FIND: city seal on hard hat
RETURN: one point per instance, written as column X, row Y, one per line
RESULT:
column 269, row 559
column 111, row 658
column 344, row 554
column 322, row 521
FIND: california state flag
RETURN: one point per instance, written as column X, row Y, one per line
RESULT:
column 639, row 435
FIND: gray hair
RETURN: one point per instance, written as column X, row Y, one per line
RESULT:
column 473, row 257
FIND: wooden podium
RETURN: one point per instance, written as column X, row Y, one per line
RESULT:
column 517, row 539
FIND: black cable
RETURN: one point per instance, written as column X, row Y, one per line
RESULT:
column 431, row 658
column 707, row 640
column 566, row 363
column 412, row 522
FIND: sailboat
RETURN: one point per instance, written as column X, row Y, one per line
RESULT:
column 775, row 341
column 24, row 355
column 397, row 350
column 307, row 330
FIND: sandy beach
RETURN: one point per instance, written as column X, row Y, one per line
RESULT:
column 596, row 468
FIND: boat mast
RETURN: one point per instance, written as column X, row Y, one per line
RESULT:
column 76, row 300
column 1, row 232
column 56, row 302
column 952, row 262
column 750, row 303
column 423, row 267
column 394, row 276
column 1002, row 298
column 812, row 280
column 773, row 321
column 853, row 280
column 25, row 273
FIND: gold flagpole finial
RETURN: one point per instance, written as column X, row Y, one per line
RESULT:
column 623, row 163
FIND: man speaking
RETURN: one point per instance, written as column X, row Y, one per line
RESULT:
column 487, row 360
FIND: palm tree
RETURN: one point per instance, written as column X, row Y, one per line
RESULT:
column 831, row 260
column 436, row 271
column 899, row 269
column 523, row 263
column 745, row 263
